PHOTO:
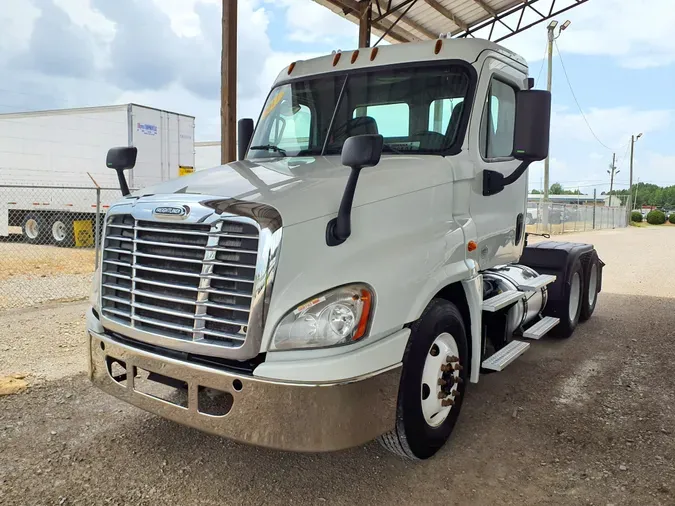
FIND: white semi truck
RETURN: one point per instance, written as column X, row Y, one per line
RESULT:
column 362, row 263
column 49, row 158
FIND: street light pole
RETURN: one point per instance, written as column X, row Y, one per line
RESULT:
column 611, row 172
column 551, row 36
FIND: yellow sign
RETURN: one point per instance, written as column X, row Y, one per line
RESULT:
column 273, row 103
column 185, row 170
column 84, row 234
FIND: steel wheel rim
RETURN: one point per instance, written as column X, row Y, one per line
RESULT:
column 575, row 295
column 59, row 231
column 434, row 412
column 593, row 284
column 32, row 228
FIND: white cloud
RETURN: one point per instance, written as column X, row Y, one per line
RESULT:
column 636, row 35
column 308, row 21
column 613, row 126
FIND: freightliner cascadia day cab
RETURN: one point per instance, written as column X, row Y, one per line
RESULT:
column 362, row 263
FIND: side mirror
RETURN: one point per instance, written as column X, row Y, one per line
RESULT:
column 362, row 151
column 530, row 138
column 358, row 152
column 244, row 135
column 533, row 125
column 121, row 159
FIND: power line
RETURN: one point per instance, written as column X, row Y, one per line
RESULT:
column 543, row 60
column 576, row 101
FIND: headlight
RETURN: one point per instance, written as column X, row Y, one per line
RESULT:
column 339, row 316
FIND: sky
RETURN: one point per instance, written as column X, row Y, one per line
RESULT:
column 619, row 57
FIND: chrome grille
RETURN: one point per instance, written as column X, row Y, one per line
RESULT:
column 183, row 281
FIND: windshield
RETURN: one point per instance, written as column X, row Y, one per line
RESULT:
column 415, row 109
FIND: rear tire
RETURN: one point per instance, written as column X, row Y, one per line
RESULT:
column 591, row 269
column 423, row 422
column 61, row 230
column 35, row 229
column 568, row 309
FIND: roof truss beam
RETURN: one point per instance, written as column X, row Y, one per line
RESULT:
column 351, row 8
column 443, row 11
column 520, row 10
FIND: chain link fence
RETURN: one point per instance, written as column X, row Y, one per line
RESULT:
column 48, row 241
column 49, row 237
column 553, row 218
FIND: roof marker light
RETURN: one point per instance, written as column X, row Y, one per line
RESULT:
column 439, row 45
column 373, row 54
column 355, row 55
column 290, row 68
column 336, row 58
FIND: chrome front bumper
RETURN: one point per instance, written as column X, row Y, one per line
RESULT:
column 285, row 416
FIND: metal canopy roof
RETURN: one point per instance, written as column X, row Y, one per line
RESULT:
column 415, row 20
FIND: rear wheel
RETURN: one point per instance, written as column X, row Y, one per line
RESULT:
column 433, row 383
column 62, row 232
column 568, row 309
column 34, row 228
column 591, row 268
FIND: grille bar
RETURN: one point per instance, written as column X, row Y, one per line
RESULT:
column 178, row 280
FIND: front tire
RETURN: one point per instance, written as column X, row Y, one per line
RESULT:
column 433, row 383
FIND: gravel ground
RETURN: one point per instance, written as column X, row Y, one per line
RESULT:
column 33, row 274
column 588, row 420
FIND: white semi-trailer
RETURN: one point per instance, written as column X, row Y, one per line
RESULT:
column 363, row 262
column 66, row 148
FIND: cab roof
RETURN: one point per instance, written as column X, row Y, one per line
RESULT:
column 467, row 50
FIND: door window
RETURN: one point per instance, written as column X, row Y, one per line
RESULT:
column 498, row 122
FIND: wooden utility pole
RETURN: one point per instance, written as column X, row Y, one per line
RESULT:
column 228, row 84
column 612, row 170
column 365, row 15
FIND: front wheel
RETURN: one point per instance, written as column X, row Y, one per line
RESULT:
column 433, row 383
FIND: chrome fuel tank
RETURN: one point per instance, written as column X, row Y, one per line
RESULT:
column 509, row 277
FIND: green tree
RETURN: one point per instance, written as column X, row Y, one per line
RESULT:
column 556, row 189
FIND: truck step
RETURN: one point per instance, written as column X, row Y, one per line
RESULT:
column 506, row 355
column 537, row 283
column 539, row 329
column 501, row 300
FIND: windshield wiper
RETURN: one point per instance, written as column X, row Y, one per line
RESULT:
column 270, row 147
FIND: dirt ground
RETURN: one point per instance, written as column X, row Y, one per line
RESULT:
column 32, row 274
column 588, row 420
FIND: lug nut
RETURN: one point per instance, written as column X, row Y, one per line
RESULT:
column 442, row 382
column 456, row 393
column 457, row 367
column 447, row 402
column 452, row 358
column 442, row 395
column 446, row 368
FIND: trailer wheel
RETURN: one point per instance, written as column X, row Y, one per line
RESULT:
column 34, row 228
column 568, row 309
column 433, row 383
column 62, row 232
column 591, row 266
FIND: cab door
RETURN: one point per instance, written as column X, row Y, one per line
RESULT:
column 498, row 219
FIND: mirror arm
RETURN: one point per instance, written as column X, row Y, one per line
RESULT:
column 124, row 187
column 340, row 228
column 494, row 182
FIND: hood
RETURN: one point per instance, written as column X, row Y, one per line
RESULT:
column 305, row 188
